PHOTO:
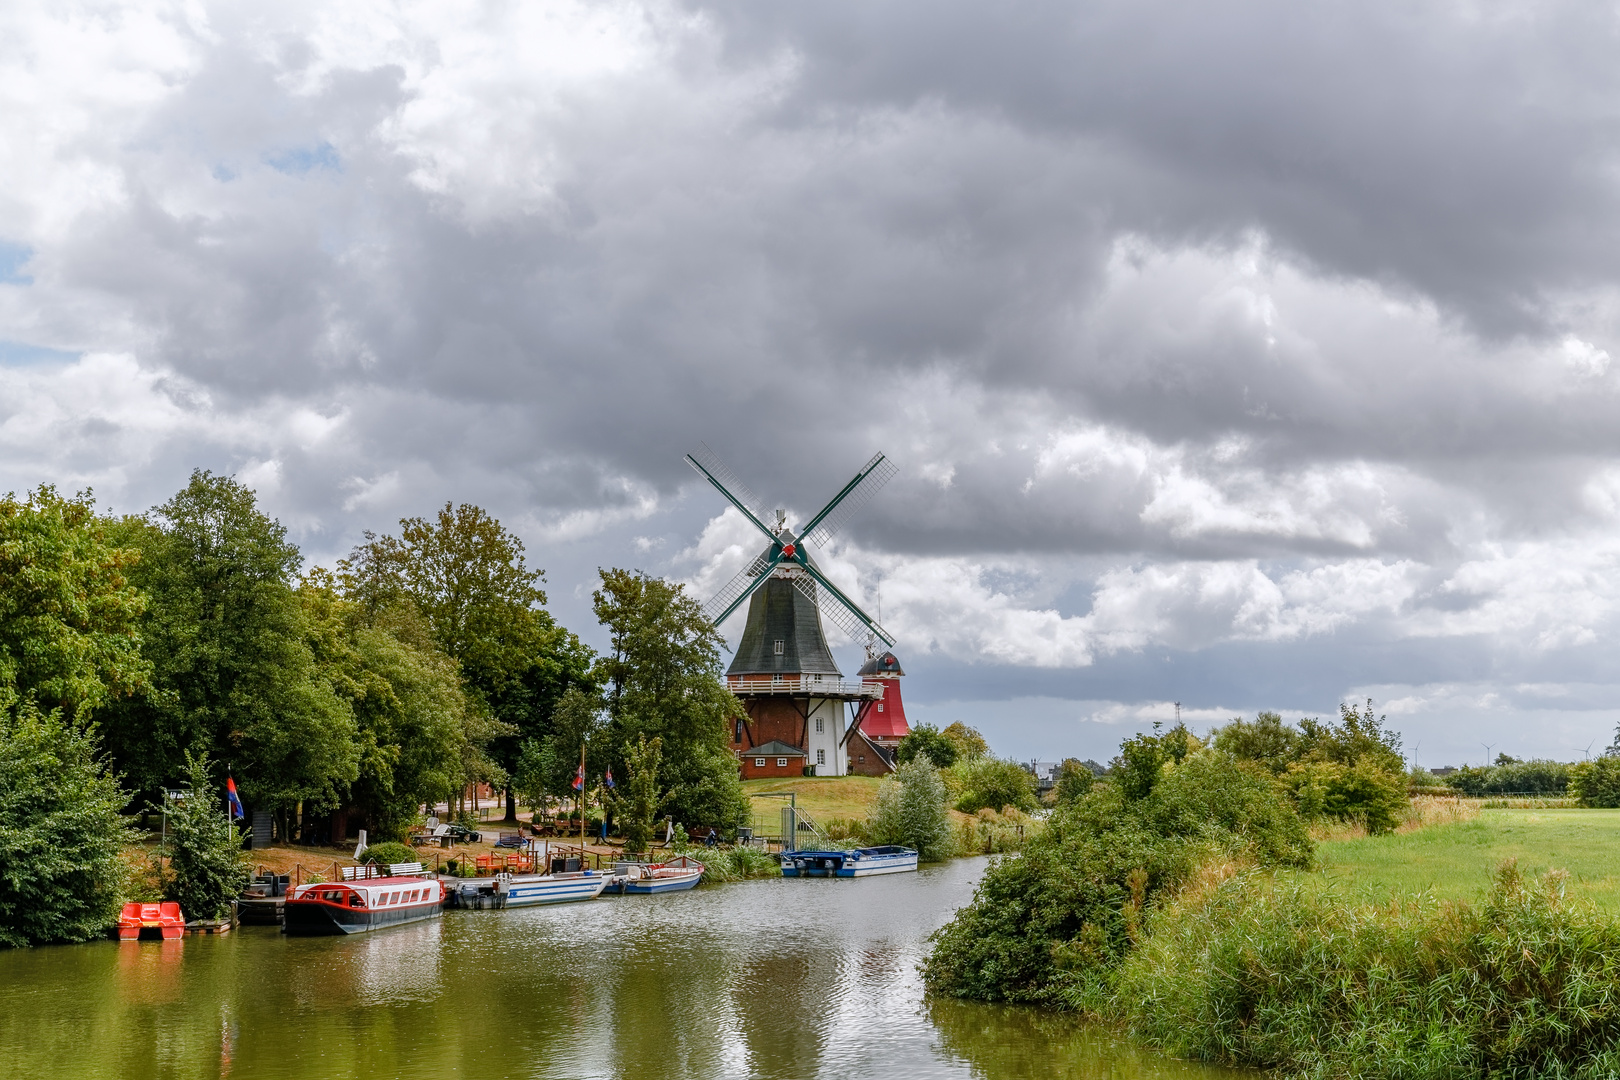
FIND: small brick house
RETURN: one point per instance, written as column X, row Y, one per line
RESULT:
column 771, row 760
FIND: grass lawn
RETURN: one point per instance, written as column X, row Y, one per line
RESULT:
column 1454, row 861
column 824, row 797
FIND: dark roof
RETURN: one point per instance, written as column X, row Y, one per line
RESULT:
column 885, row 663
column 778, row 611
column 774, row 748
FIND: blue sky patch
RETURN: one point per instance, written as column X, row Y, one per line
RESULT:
column 22, row 354
column 305, row 159
column 13, row 257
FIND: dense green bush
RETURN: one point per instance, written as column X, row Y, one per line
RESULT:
column 60, row 830
column 929, row 740
column 987, row 782
column 1053, row 925
column 1596, row 782
column 206, row 866
column 1247, row 972
column 1352, row 770
column 911, row 811
column 388, row 853
column 737, row 864
column 1074, row 780
column 1511, row 777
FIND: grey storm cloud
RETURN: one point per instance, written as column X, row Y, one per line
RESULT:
column 1233, row 326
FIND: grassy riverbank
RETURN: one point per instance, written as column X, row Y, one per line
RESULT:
column 1454, row 860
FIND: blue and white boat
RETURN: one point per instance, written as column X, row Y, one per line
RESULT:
column 644, row 879
column 525, row 890
column 861, row 862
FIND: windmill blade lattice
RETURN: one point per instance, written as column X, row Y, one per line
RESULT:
column 831, row 610
column 874, row 474
column 732, row 591
column 734, row 485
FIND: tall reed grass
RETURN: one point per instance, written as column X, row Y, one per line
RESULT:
column 736, row 864
column 1245, row 970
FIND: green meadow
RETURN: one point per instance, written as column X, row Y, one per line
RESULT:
column 1454, row 860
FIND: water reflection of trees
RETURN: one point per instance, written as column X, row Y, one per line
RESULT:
column 999, row 1041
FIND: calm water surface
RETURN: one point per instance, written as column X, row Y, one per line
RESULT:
column 770, row 979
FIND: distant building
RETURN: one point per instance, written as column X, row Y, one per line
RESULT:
column 1046, row 774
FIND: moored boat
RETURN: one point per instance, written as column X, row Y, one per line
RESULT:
column 859, row 862
column 640, row 879
column 354, row 907
column 527, row 890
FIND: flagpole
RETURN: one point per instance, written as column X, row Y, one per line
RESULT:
column 582, row 804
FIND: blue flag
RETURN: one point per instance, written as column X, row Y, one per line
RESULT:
column 230, row 796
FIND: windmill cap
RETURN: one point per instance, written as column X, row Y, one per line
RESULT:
column 883, row 663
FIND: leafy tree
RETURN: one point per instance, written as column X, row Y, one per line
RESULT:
column 469, row 578
column 233, row 673
column 968, row 742
column 1143, row 757
column 1074, row 780
column 985, row 781
column 662, row 678
column 1596, row 782
column 60, row 829
column 69, row 617
column 547, row 766
column 206, row 866
column 641, row 803
column 1267, row 741
column 925, row 739
column 911, row 811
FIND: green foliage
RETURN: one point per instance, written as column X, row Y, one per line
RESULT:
column 641, row 802
column 911, row 810
column 1596, row 782
column 968, row 742
column 234, row 675
column 1074, row 780
column 1352, row 770
column 548, row 765
column 468, row 577
column 925, row 739
column 1522, row 985
column 662, row 678
column 737, row 864
column 389, row 853
column 69, row 617
column 410, row 712
column 60, row 830
column 1511, row 776
column 990, row 782
column 206, row 865
column 1054, row 924
column 1143, row 757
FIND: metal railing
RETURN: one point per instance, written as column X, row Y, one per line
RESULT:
column 804, row 685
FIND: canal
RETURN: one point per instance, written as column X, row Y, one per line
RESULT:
column 768, row 979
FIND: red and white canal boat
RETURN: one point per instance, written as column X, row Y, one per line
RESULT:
column 370, row 903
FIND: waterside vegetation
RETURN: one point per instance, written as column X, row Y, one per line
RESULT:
column 1258, row 899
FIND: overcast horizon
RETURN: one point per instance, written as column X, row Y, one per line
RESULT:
column 1243, row 355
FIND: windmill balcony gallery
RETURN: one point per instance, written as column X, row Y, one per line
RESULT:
column 803, row 686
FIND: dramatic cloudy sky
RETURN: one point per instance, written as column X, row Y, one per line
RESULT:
column 1242, row 354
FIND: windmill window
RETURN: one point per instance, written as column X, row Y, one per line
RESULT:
column 880, row 706
column 779, row 644
column 820, row 724
column 759, row 763
column 821, row 757
column 781, row 763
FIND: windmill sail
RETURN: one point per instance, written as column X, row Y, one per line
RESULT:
column 847, row 503
column 831, row 609
column 732, row 592
column 717, row 472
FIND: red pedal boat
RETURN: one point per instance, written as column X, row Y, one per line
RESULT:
column 151, row 921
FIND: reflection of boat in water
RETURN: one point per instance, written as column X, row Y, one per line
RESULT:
column 672, row 875
column 860, row 862
column 353, row 907
column 528, row 890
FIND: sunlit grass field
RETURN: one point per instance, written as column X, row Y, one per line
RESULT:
column 1454, row 861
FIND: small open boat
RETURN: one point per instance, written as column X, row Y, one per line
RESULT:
column 672, row 875
column 861, row 862
column 361, row 904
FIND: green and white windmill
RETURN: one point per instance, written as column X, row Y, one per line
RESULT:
column 782, row 668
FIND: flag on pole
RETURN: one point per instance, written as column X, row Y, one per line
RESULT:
column 232, row 798
column 579, row 779
column 609, row 778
